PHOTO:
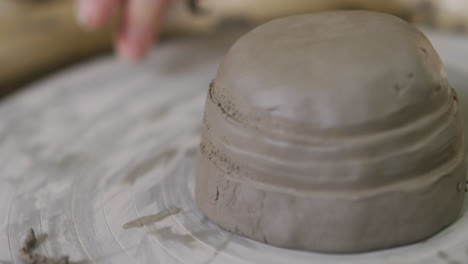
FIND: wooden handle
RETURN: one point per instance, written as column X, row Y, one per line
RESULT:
column 36, row 37
column 42, row 37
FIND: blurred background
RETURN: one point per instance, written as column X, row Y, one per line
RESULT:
column 41, row 36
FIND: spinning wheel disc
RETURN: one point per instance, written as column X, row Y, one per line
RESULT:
column 95, row 147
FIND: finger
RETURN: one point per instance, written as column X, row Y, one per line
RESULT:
column 95, row 13
column 141, row 24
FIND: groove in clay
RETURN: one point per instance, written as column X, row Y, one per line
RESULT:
column 333, row 132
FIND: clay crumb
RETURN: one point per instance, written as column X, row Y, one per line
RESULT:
column 194, row 7
column 423, row 50
column 217, row 194
column 149, row 219
column 454, row 96
column 30, row 240
column 273, row 108
column 397, row 88
column 28, row 257
column 443, row 255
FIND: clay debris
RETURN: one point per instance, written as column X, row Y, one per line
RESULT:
column 146, row 220
column 28, row 257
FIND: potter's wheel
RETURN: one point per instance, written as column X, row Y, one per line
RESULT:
column 81, row 155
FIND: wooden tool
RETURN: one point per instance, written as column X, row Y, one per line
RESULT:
column 35, row 38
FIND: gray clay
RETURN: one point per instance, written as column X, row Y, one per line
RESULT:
column 28, row 257
column 30, row 240
column 149, row 219
column 332, row 132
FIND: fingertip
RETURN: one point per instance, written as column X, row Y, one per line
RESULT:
column 140, row 25
column 81, row 15
column 133, row 42
column 132, row 50
column 93, row 14
column 87, row 15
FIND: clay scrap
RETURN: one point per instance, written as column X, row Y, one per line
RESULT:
column 149, row 219
column 28, row 257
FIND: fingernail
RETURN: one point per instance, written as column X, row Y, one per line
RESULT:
column 134, row 45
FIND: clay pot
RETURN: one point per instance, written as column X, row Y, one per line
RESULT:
column 332, row 132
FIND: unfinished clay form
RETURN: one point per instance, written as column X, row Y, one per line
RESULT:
column 333, row 132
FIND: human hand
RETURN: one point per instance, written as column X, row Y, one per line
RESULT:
column 141, row 22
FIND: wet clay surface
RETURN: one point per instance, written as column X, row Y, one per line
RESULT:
column 335, row 132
